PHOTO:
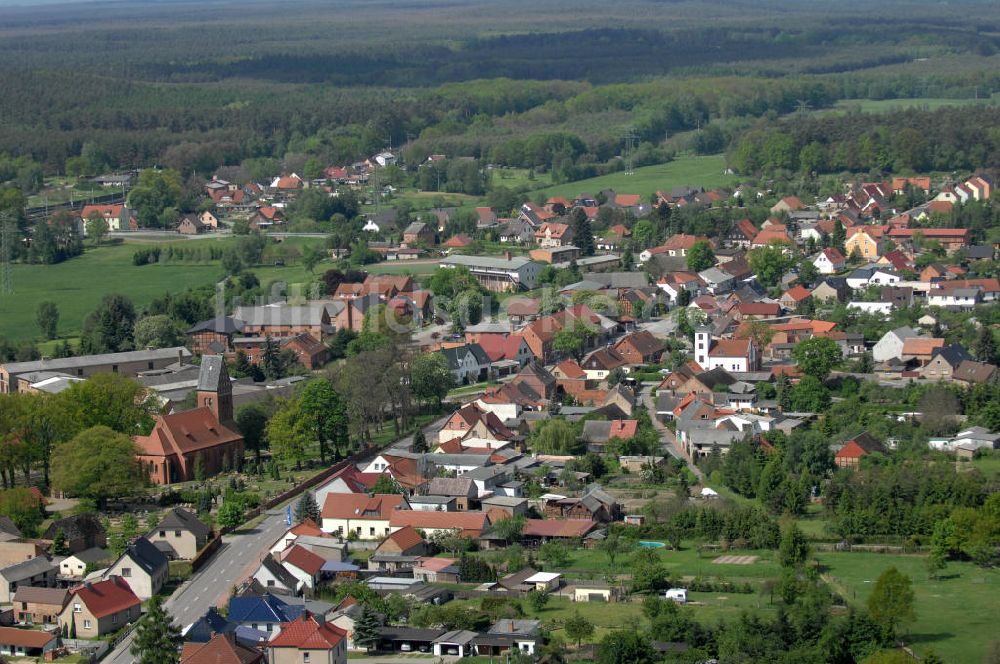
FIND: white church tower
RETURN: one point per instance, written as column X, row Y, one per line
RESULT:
column 702, row 345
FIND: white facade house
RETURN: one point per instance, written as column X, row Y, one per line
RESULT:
column 504, row 411
column 955, row 298
column 828, row 261
column 880, row 308
column 499, row 274
column 890, row 346
column 733, row 355
column 884, row 278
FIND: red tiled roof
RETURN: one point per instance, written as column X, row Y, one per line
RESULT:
column 406, row 538
column 105, row 597
column 798, row 293
column 628, row 200
column 833, row 255
column 103, row 210
column 24, row 638
column 623, row 429
column 522, row 306
column 360, row 506
column 571, row 369
column 304, row 559
column 308, row 632
column 221, row 649
column 921, row 345
column 851, row 451
column 471, row 523
column 962, row 233
column 554, row 229
column 185, row 432
column 759, row 308
column 457, row 241
column 307, row 527
column 683, row 241
column 730, row 348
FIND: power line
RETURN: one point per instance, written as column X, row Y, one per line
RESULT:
column 629, row 136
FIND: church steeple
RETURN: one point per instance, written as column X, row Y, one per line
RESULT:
column 215, row 389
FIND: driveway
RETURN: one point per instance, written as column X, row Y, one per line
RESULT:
column 670, row 443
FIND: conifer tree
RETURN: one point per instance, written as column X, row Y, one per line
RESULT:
column 157, row 639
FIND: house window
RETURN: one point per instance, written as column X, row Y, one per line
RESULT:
column 270, row 583
column 114, row 368
column 114, row 619
column 126, row 572
column 86, row 624
column 77, row 608
column 305, row 658
column 177, row 533
column 163, row 533
column 150, row 365
column 371, row 531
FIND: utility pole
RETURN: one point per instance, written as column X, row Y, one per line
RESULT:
column 803, row 107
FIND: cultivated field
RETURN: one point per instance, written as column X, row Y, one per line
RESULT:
column 77, row 285
column 707, row 172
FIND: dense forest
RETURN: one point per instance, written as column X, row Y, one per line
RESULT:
column 549, row 87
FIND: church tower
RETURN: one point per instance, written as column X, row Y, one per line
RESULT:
column 215, row 389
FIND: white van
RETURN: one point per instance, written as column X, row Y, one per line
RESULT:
column 679, row 595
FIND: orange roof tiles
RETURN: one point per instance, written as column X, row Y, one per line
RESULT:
column 104, row 598
column 308, row 632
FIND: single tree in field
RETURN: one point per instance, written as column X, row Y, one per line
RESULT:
column 47, row 317
column 891, row 601
column 306, row 508
column 157, row 639
column 794, row 549
column 578, row 628
column 538, row 599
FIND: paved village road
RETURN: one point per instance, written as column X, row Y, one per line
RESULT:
column 239, row 555
column 236, row 560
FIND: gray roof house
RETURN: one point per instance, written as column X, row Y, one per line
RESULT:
column 39, row 571
column 180, row 535
column 143, row 566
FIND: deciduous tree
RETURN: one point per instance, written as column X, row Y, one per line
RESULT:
column 99, row 464
column 891, row 601
column 47, row 317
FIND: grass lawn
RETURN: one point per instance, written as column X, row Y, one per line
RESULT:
column 592, row 564
column 956, row 615
column 989, row 466
column 405, row 267
column 77, row 285
column 708, row 172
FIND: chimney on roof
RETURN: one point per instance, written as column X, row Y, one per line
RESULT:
column 507, row 255
column 180, row 357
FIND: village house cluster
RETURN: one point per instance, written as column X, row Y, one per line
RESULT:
column 473, row 474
